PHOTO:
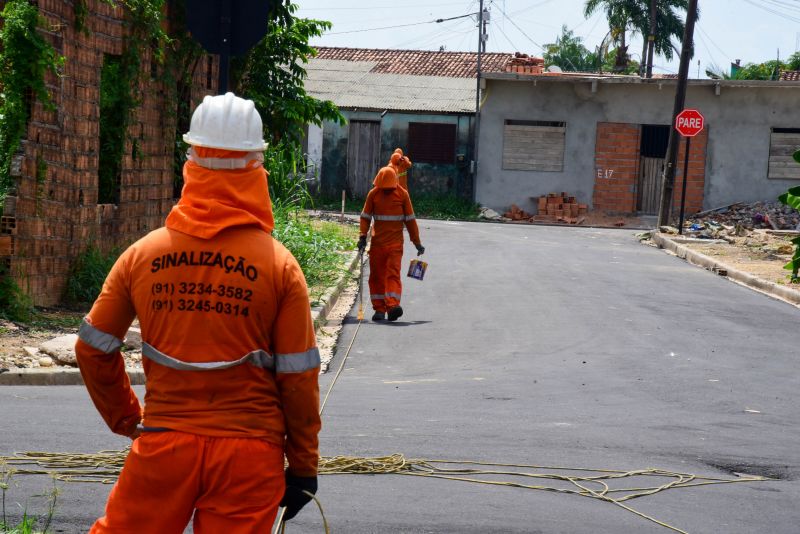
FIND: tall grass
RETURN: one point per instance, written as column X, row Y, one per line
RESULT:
column 15, row 305
column 87, row 276
column 318, row 250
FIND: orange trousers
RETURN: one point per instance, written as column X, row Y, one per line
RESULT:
column 231, row 485
column 385, row 287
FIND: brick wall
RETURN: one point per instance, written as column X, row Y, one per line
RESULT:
column 696, row 177
column 54, row 214
column 617, row 169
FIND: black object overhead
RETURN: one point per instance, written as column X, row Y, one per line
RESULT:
column 227, row 27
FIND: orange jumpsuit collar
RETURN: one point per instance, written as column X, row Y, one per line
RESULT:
column 214, row 200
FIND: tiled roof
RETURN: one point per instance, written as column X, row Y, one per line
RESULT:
column 419, row 62
column 357, row 85
column 790, row 76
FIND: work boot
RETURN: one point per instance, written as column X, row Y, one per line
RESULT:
column 395, row 313
column 378, row 316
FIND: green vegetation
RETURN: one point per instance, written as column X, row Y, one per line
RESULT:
column 15, row 305
column 272, row 75
column 792, row 198
column 287, row 185
column 442, row 207
column 318, row 247
column 87, row 276
column 25, row 57
column 569, row 54
column 28, row 524
column 633, row 16
column 768, row 70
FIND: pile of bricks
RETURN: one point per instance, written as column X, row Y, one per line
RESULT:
column 524, row 64
column 560, row 207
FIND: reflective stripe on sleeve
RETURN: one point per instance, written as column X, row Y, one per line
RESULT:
column 98, row 339
column 377, row 297
column 389, row 217
column 297, row 362
column 411, row 217
column 258, row 358
column 393, row 295
column 366, row 216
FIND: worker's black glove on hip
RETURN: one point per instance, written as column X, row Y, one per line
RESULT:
column 294, row 499
column 420, row 249
column 362, row 243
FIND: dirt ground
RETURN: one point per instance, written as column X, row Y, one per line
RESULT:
column 759, row 253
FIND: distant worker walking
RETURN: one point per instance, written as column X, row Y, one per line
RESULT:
column 230, row 353
column 401, row 164
column 390, row 207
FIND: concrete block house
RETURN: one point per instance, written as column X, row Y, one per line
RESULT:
column 603, row 138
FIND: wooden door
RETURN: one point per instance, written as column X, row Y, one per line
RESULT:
column 649, row 185
column 363, row 151
column 653, row 151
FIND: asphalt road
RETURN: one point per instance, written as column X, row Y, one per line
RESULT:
column 533, row 345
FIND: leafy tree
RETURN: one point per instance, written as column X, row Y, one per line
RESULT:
column 794, row 62
column 634, row 16
column 272, row 75
column 569, row 54
column 768, row 70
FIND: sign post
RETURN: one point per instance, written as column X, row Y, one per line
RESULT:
column 228, row 28
column 688, row 123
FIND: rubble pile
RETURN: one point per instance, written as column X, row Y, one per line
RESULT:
column 740, row 218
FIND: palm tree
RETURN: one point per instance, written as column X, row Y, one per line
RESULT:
column 634, row 16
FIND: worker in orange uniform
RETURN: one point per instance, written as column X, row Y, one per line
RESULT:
column 401, row 164
column 230, row 354
column 390, row 207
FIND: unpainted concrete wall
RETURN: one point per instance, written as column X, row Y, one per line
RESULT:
column 739, row 121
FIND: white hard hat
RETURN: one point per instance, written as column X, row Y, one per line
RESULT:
column 227, row 122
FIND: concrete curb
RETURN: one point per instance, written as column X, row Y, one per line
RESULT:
column 72, row 377
column 759, row 284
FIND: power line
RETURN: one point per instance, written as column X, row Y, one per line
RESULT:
column 401, row 25
column 371, row 7
column 773, row 10
column 520, row 30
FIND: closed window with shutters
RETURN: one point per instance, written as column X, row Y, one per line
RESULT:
column 783, row 143
column 533, row 145
column 430, row 142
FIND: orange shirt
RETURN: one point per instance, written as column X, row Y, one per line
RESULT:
column 213, row 286
column 391, row 209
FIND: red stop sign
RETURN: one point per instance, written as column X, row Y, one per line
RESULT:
column 689, row 122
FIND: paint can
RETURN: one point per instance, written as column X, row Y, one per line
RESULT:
column 417, row 269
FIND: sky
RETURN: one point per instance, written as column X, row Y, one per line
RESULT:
column 750, row 30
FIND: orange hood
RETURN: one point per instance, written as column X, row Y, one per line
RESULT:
column 386, row 179
column 215, row 199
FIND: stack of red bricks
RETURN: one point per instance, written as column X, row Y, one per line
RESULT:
column 524, row 64
column 560, row 207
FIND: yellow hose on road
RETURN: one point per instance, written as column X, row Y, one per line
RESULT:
column 104, row 467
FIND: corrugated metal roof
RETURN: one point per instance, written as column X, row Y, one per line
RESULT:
column 352, row 84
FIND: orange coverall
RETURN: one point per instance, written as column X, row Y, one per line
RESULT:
column 230, row 359
column 400, row 164
column 390, row 207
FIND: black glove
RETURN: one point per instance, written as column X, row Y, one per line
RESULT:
column 362, row 243
column 294, row 498
column 420, row 249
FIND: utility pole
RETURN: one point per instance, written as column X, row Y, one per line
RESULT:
column 651, row 38
column 483, row 18
column 668, row 181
